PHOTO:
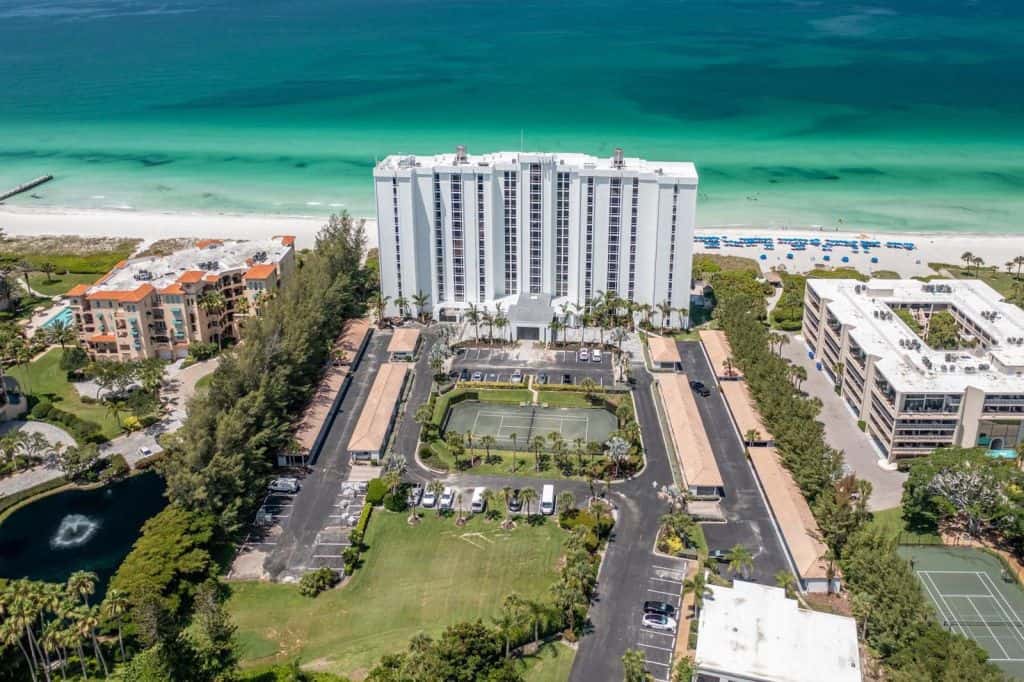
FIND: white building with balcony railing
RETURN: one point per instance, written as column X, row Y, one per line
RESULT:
column 913, row 398
column 533, row 229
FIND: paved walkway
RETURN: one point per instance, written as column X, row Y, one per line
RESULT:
column 179, row 386
column 841, row 431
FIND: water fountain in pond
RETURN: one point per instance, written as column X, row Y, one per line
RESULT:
column 74, row 531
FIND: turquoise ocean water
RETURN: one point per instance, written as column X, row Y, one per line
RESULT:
column 895, row 115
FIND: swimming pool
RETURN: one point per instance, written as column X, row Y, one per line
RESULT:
column 63, row 315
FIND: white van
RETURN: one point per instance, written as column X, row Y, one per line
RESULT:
column 478, row 504
column 284, row 485
column 547, row 500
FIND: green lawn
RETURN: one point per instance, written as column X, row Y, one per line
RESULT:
column 204, row 382
column 45, row 379
column 413, row 579
column 892, row 521
column 552, row 663
column 525, row 463
column 59, row 284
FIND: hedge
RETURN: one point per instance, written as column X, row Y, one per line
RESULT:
column 375, row 492
column 364, row 519
column 83, row 431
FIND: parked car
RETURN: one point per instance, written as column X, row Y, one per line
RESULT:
column 447, row 502
column 478, row 376
column 284, row 485
column 464, row 375
column 696, row 385
column 595, row 356
column 547, row 500
column 517, row 377
column 660, row 607
column 566, row 378
column 657, row 621
column 145, row 451
column 478, row 504
column 491, row 376
column 717, row 555
column 428, row 500
column 583, row 355
column 703, row 392
column 414, row 495
column 515, row 503
column 542, row 378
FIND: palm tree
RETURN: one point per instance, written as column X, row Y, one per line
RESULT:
column 752, row 436
column 15, row 626
column 458, row 506
column 578, row 449
column 786, row 581
column 26, row 268
column 114, row 607
column 535, row 612
column 566, row 501
column 740, row 560
column 48, row 269
column 665, row 308
column 617, row 450
column 698, row 586
column 967, row 257
column 589, row 386
column 512, row 437
column 634, row 666
column 537, row 444
column 401, row 302
column 212, row 303
column 86, row 622
column 798, row 375
column 420, row 299
column 555, row 325
column 528, row 496
column 473, row 315
column 81, row 584
column 729, row 365
column 500, row 321
column 977, row 262
column 487, row 442
column 684, row 314
column 489, row 321
column 455, row 445
column 436, row 487
column 61, row 332
column 469, row 444
column 1019, row 262
column 378, row 302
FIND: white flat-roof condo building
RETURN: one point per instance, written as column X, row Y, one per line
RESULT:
column 913, row 398
column 533, row 230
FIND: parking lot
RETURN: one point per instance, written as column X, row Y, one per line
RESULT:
column 664, row 584
column 559, row 366
column 332, row 539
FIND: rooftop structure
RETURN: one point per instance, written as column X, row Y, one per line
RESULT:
column 753, row 633
column 744, row 411
column 664, row 351
column 157, row 306
column 926, row 397
column 716, row 345
column 689, row 439
column 371, row 432
column 535, row 232
column 403, row 342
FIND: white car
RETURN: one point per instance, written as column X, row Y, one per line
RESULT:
column 596, row 355
column 284, row 485
column 583, row 355
column 656, row 621
column 145, row 451
column 517, row 377
column 429, row 499
column 447, row 502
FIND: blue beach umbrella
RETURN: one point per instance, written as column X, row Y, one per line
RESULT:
column 826, row 258
column 846, row 259
column 764, row 256
column 789, row 256
column 874, row 259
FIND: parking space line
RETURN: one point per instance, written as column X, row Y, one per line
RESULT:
column 666, row 580
column 333, row 544
column 663, row 665
column 651, row 646
column 666, row 568
column 663, row 634
column 671, row 594
column 326, row 556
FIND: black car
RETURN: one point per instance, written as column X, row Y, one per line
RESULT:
column 717, row 555
column 703, row 392
column 542, row 378
column 515, row 503
column 696, row 385
column 464, row 375
column 566, row 378
column 660, row 607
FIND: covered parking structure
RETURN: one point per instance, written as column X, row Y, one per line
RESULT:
column 744, row 411
column 688, row 437
column 312, row 427
column 795, row 520
column 373, row 429
column 403, row 344
column 719, row 352
column 664, row 352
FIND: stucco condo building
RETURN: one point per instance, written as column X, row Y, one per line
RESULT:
column 534, row 232
column 158, row 306
column 870, row 339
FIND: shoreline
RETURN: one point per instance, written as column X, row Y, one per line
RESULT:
column 150, row 226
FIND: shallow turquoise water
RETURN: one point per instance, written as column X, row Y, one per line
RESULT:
column 906, row 115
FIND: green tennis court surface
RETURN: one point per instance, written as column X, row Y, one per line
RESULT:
column 967, row 588
column 527, row 421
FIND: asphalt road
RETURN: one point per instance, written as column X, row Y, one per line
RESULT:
column 311, row 509
column 749, row 521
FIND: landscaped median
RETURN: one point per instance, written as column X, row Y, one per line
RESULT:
column 571, row 432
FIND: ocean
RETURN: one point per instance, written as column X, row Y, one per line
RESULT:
column 900, row 115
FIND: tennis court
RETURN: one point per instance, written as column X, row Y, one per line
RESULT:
column 527, row 421
column 971, row 597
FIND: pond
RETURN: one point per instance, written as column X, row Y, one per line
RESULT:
column 87, row 530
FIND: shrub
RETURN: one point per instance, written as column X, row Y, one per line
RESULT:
column 88, row 400
column 395, row 503
column 117, row 468
column 202, row 351
column 42, row 409
column 375, row 492
column 364, row 519
column 73, row 359
column 313, row 583
column 149, row 420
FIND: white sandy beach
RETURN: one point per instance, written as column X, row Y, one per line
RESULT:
column 150, row 226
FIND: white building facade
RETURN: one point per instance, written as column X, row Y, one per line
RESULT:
column 557, row 228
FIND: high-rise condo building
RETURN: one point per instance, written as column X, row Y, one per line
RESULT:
column 534, row 233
